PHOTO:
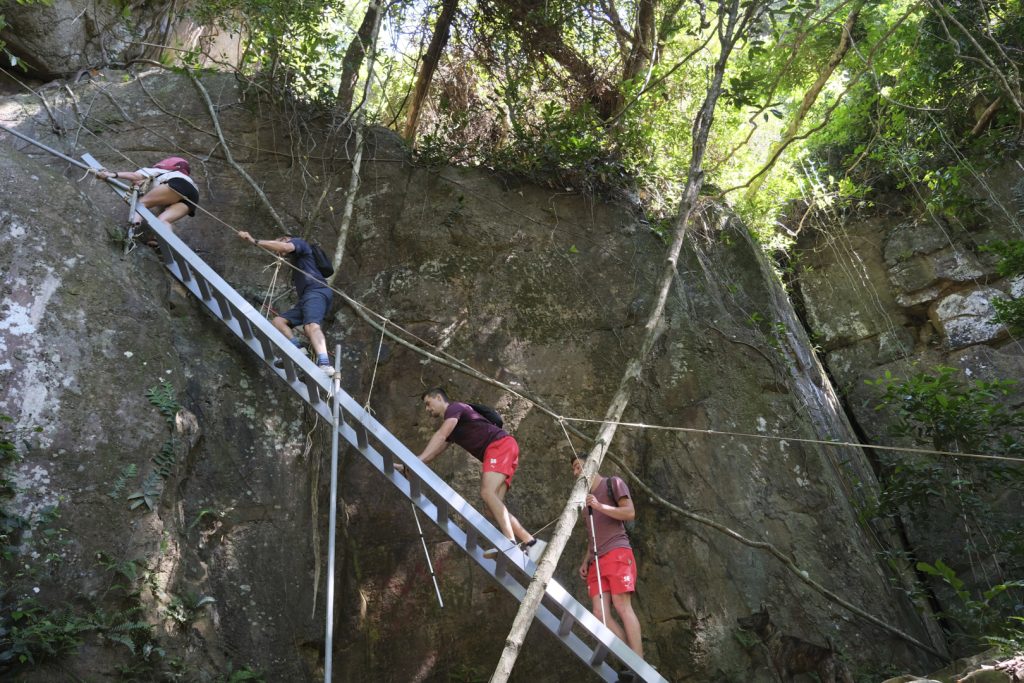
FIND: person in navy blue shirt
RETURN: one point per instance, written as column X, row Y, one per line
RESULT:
column 312, row 290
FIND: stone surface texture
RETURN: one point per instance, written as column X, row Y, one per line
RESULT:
column 544, row 291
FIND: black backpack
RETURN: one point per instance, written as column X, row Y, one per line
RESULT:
column 488, row 413
column 323, row 264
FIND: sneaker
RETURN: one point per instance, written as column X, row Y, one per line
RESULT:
column 328, row 370
column 626, row 676
column 534, row 549
column 514, row 552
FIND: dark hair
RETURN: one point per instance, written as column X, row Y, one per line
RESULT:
column 436, row 391
column 582, row 457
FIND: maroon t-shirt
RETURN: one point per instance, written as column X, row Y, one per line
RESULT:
column 474, row 432
column 611, row 532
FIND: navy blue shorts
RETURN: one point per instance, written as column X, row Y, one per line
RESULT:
column 312, row 308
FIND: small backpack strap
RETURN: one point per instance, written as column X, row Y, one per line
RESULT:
column 611, row 491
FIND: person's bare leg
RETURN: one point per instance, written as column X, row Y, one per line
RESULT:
column 624, row 608
column 492, row 491
column 595, row 607
column 161, row 195
column 316, row 338
column 283, row 326
column 173, row 213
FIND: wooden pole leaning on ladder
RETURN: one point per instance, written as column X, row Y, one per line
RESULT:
column 331, row 533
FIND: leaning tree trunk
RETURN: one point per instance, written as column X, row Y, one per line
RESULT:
column 354, row 55
column 810, row 97
column 730, row 27
column 442, row 29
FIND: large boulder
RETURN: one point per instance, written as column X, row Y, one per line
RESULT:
column 546, row 294
column 61, row 38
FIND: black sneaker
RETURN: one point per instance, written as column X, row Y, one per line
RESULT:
column 626, row 676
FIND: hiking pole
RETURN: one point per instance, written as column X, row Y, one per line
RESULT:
column 329, row 637
column 430, row 565
column 597, row 566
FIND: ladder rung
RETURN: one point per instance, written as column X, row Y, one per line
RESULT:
column 600, row 654
column 268, row 348
column 204, row 287
column 289, row 369
column 183, row 269
column 225, row 308
column 361, row 437
column 312, row 387
column 243, row 323
column 472, row 536
column 565, row 623
column 442, row 514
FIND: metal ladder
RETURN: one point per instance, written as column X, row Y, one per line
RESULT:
column 566, row 618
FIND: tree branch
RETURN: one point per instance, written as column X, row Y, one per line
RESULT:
column 230, row 159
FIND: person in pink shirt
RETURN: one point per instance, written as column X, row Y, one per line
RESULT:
column 612, row 505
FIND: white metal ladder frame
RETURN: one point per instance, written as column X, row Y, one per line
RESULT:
column 559, row 611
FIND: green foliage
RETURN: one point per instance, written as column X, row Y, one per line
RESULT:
column 124, row 627
column 977, row 618
column 149, row 493
column 233, row 675
column 296, row 43
column 184, row 609
column 1010, row 642
column 908, row 123
column 127, row 472
column 162, row 396
column 30, row 633
column 950, row 414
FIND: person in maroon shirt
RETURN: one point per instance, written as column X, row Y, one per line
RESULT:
column 615, row 561
column 493, row 447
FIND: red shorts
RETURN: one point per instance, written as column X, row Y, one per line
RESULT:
column 618, row 572
column 502, row 456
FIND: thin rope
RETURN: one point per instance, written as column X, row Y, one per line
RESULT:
column 772, row 437
column 269, row 298
column 376, row 364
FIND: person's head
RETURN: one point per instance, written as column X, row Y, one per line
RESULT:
column 174, row 164
column 284, row 238
column 435, row 401
column 577, row 461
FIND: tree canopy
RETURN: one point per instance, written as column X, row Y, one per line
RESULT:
column 824, row 100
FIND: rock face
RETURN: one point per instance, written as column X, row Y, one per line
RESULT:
column 545, row 293
column 60, row 38
column 903, row 292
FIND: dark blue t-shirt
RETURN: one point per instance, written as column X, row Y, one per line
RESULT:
column 310, row 276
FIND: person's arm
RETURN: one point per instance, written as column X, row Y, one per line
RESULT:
column 624, row 512
column 279, row 248
column 439, row 441
column 588, row 556
column 131, row 176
